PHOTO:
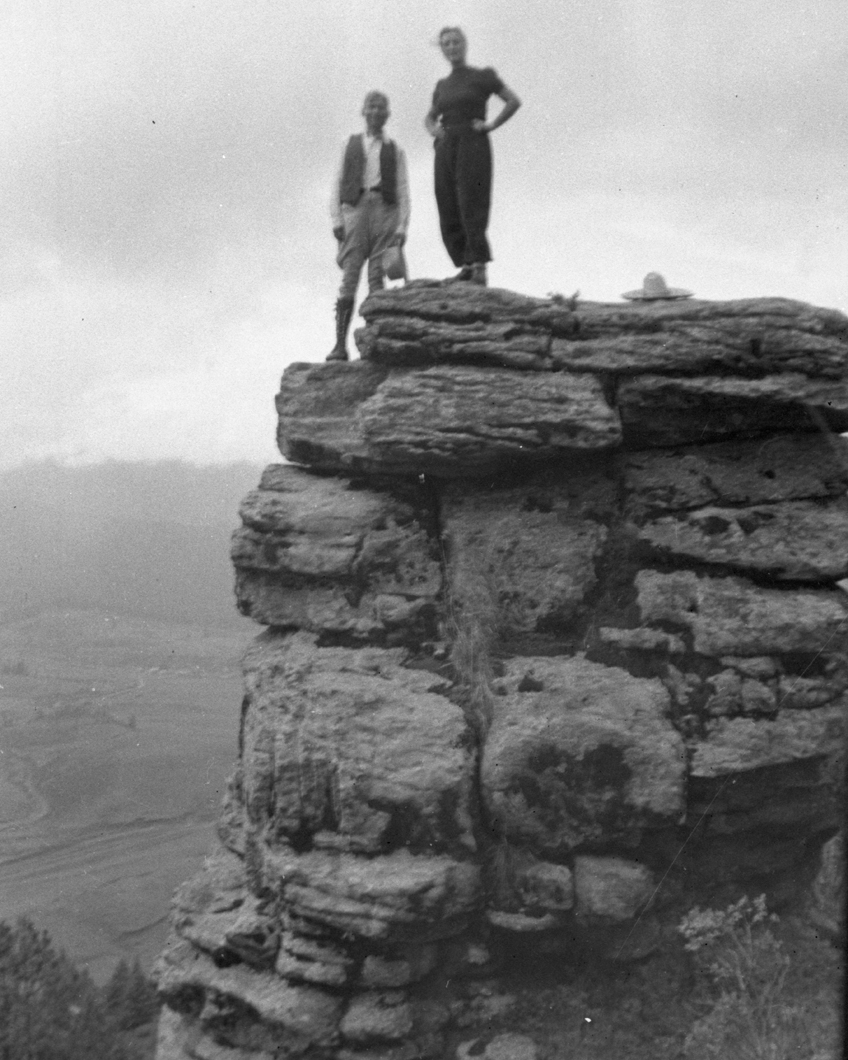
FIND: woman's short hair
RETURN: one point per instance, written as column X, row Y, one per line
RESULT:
column 451, row 29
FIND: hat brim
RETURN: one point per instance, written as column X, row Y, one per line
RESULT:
column 670, row 294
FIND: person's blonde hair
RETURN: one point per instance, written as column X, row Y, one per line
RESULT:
column 452, row 29
column 375, row 94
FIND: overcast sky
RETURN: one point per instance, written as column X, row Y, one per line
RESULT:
column 166, row 246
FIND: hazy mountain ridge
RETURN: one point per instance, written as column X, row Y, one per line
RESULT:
column 134, row 538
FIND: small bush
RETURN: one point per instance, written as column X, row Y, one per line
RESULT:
column 743, row 971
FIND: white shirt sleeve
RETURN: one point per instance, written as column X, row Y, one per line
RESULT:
column 336, row 193
column 402, row 193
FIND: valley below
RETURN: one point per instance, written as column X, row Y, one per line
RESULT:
column 117, row 735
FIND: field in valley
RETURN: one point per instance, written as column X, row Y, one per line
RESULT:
column 117, row 735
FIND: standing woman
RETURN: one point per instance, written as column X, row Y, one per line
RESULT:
column 463, row 165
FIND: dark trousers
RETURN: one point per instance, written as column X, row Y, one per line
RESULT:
column 463, row 178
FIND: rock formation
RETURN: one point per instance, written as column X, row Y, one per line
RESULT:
column 556, row 649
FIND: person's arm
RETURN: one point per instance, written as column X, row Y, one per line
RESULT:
column 433, row 125
column 511, row 105
column 336, row 201
column 402, row 198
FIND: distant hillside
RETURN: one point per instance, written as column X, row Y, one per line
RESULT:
column 132, row 538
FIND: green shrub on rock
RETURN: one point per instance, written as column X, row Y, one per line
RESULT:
column 754, row 1011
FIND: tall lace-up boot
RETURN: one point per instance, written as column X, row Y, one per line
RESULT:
column 344, row 312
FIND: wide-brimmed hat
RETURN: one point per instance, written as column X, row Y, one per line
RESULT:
column 655, row 289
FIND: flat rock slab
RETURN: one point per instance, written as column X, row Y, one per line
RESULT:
column 302, row 1015
column 789, row 541
column 319, row 555
column 739, row 745
column 658, row 410
column 580, row 753
column 428, row 321
column 408, row 341
column 444, row 421
column 397, row 898
column 782, row 467
column 348, row 750
column 733, row 617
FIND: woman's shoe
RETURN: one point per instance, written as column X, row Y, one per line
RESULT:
column 478, row 274
column 463, row 276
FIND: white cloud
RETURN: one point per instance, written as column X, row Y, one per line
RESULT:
column 166, row 241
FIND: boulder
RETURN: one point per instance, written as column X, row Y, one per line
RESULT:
column 400, row 898
column 612, row 888
column 738, row 745
column 660, row 410
column 788, row 541
column 732, row 616
column 347, row 749
column 587, row 757
column 316, row 554
column 377, row 1017
column 782, row 467
column 302, row 1014
column 446, row 421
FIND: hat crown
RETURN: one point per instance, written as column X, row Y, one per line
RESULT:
column 655, row 286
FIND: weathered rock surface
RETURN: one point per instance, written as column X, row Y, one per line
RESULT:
column 535, row 547
column 731, row 616
column 315, row 554
column 612, row 888
column 444, row 421
column 501, row 1047
column 792, row 541
column 457, row 384
column 587, row 757
column 428, row 322
column 395, row 899
column 783, row 467
column 557, row 650
column 348, row 750
column 738, row 745
column 660, row 410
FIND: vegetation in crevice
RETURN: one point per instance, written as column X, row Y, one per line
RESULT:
column 755, row 999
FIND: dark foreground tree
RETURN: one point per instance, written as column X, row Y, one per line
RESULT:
column 51, row 1010
column 130, row 996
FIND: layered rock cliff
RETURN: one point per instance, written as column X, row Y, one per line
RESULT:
column 555, row 649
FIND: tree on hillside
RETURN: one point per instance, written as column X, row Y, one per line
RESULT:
column 130, row 996
column 49, row 1008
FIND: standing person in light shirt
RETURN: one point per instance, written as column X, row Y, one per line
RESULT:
column 463, row 162
column 369, row 209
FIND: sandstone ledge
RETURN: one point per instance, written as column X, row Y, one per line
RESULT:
column 463, row 382
column 427, row 322
column 444, row 421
